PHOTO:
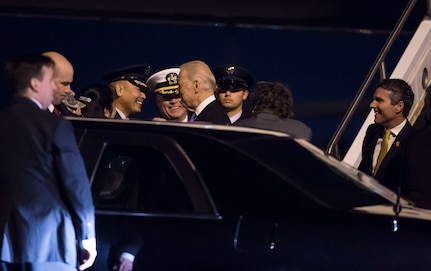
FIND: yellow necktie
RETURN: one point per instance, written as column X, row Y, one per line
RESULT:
column 383, row 150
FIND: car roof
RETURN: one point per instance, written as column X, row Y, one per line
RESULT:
column 321, row 177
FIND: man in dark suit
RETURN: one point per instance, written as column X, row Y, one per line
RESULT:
column 233, row 85
column 47, row 213
column 197, row 90
column 391, row 103
column 273, row 110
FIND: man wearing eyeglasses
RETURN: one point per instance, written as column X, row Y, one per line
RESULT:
column 233, row 84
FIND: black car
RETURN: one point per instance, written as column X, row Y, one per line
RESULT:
column 209, row 197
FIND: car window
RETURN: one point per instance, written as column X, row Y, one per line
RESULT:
column 138, row 178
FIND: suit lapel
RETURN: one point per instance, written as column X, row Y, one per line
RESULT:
column 396, row 145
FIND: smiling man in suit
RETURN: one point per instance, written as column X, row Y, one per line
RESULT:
column 391, row 103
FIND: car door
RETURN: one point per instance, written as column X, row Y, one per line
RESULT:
column 151, row 198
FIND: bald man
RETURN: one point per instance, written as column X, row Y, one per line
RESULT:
column 63, row 78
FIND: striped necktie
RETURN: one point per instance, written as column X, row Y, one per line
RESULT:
column 383, row 150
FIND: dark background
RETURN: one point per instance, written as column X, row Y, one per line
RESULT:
column 323, row 59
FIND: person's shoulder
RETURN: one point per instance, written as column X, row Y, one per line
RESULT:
column 408, row 126
column 244, row 121
column 215, row 105
column 47, row 119
column 371, row 129
column 374, row 128
column 299, row 128
column 215, row 113
column 296, row 121
column 32, row 117
column 28, row 109
column 415, row 132
column 417, row 140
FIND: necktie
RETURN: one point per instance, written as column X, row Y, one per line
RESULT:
column 192, row 117
column 56, row 111
column 383, row 150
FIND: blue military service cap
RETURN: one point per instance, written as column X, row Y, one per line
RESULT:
column 136, row 75
column 165, row 82
column 232, row 78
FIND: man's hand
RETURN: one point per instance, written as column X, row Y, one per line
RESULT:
column 88, row 253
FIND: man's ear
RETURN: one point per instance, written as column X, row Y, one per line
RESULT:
column 245, row 95
column 196, row 86
column 35, row 84
column 119, row 89
column 399, row 107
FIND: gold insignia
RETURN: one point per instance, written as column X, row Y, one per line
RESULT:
column 172, row 78
column 167, row 90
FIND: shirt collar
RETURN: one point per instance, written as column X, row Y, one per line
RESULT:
column 204, row 104
column 121, row 113
column 235, row 117
column 50, row 107
column 397, row 129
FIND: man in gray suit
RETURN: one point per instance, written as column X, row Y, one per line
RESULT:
column 273, row 110
column 46, row 207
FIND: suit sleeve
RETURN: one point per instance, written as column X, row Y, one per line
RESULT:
column 73, row 181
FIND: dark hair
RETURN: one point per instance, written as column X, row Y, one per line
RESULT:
column 400, row 91
column 22, row 68
column 273, row 97
column 97, row 98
